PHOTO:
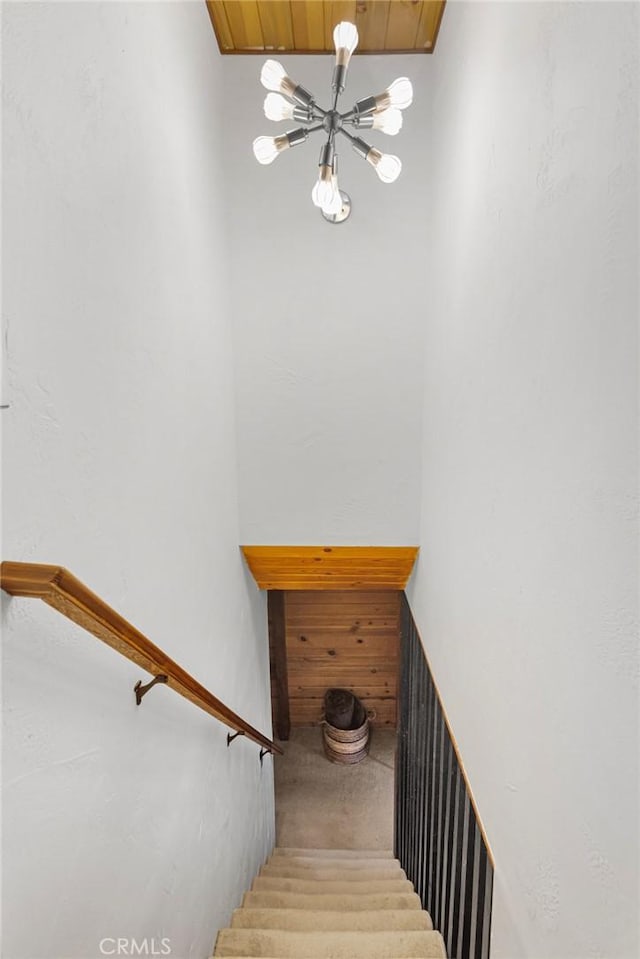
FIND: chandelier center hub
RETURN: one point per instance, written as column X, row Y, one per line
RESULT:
column 332, row 121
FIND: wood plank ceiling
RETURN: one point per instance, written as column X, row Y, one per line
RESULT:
column 330, row 567
column 306, row 26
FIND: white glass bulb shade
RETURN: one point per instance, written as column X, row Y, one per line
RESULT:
column 277, row 108
column 386, row 165
column 389, row 121
column 400, row 93
column 345, row 39
column 325, row 193
column 334, row 204
column 272, row 75
column 323, row 189
column 315, row 194
column 389, row 167
column 266, row 149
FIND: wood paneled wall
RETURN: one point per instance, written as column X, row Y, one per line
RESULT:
column 348, row 639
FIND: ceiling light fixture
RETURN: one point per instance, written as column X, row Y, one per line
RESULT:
column 289, row 101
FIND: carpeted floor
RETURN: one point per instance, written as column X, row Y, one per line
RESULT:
column 327, row 806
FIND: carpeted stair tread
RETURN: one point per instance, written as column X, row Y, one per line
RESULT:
column 368, row 902
column 334, row 853
column 340, row 887
column 332, row 862
column 330, row 945
column 322, row 873
column 328, row 862
column 310, row 920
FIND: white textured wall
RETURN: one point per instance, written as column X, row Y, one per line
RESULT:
column 327, row 321
column 526, row 590
column 119, row 463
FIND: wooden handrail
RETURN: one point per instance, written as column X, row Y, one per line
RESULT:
column 57, row 587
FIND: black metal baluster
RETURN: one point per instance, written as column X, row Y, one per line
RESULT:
column 402, row 753
column 448, row 838
column 440, row 819
column 412, row 756
column 430, row 695
column 448, row 919
column 469, row 890
column 408, row 757
column 433, row 808
column 476, row 911
column 401, row 707
column 463, row 872
column 486, row 913
column 481, row 891
column 422, row 768
column 454, row 921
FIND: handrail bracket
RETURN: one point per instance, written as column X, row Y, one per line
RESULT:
column 230, row 738
column 141, row 690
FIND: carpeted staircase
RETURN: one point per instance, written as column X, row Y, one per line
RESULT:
column 331, row 904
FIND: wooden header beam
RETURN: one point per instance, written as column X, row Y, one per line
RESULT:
column 330, row 567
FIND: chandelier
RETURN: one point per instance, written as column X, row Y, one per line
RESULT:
column 289, row 101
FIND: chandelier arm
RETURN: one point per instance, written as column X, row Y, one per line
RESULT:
column 329, row 145
column 361, row 146
column 327, row 153
column 362, row 123
column 319, row 126
column 298, row 93
column 346, row 133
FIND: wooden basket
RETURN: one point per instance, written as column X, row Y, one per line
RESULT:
column 347, row 746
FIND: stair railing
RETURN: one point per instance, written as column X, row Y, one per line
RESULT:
column 58, row 588
column 439, row 838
